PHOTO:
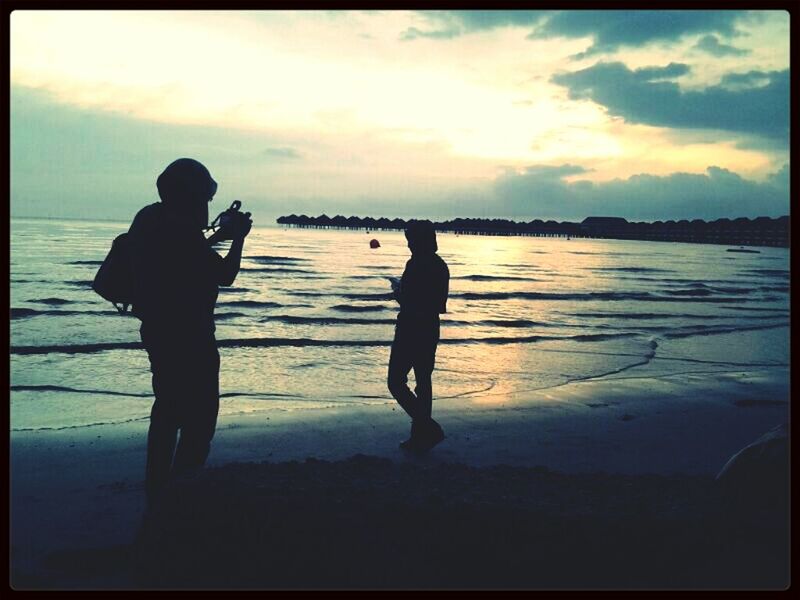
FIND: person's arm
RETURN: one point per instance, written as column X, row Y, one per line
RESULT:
column 237, row 231
column 445, row 290
column 401, row 293
column 229, row 267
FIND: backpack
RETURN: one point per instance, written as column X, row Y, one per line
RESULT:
column 114, row 279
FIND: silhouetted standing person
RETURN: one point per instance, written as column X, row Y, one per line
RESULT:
column 176, row 276
column 422, row 294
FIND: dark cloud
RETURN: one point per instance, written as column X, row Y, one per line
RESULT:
column 538, row 192
column 711, row 44
column 609, row 29
column 633, row 95
column 751, row 79
column 476, row 20
column 671, row 71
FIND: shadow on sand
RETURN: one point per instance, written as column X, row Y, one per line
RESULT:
column 370, row 523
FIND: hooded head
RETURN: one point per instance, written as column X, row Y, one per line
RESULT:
column 186, row 185
column 421, row 237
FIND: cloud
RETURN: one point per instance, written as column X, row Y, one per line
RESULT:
column 68, row 161
column 540, row 192
column 612, row 29
column 633, row 95
column 671, row 71
column 550, row 172
column 751, row 79
column 450, row 24
column 710, row 44
column 609, row 29
column 413, row 33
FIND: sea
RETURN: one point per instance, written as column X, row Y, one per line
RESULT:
column 309, row 321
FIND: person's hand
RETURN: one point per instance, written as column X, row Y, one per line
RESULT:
column 236, row 227
column 396, row 287
column 242, row 226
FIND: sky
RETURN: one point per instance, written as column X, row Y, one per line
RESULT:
column 647, row 115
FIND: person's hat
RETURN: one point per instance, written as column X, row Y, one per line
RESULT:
column 185, row 181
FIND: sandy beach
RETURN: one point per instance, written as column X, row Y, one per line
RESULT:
column 77, row 498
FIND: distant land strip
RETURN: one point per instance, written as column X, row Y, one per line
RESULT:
column 761, row 231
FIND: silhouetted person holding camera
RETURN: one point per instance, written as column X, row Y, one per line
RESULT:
column 176, row 276
column 422, row 294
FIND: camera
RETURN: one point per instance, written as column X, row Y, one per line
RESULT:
column 229, row 217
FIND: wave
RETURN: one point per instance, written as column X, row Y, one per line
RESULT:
column 61, row 388
column 591, row 337
column 758, row 309
column 252, row 303
column 602, row 253
column 363, row 297
column 527, row 267
column 75, row 348
column 277, row 260
column 730, row 290
column 307, row 342
column 721, row 330
column 521, row 323
column 51, row 301
column 611, row 296
column 70, row 390
column 769, row 272
column 297, row 320
column 689, row 292
column 495, row 278
column 646, row 316
column 686, row 282
column 24, row 313
column 274, row 270
column 86, row 283
column 383, row 297
column 82, row 425
column 705, row 290
column 300, row 320
column 358, row 309
column 86, row 262
column 234, row 290
column 228, row 315
column 632, row 269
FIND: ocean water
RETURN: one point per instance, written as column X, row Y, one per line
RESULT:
column 309, row 320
